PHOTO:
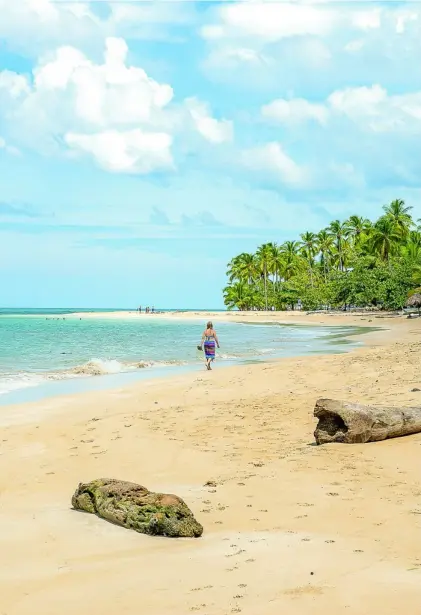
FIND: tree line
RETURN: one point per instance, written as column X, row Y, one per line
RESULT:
column 356, row 262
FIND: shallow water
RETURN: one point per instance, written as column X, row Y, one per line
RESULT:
column 44, row 351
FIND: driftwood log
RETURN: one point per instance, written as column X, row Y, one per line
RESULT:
column 341, row 421
column 137, row 508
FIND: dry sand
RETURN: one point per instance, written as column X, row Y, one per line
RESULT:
column 290, row 527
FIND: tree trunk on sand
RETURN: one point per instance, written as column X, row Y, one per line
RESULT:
column 341, row 421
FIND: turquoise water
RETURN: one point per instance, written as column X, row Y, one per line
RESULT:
column 38, row 349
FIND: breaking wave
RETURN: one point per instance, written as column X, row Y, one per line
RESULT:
column 94, row 367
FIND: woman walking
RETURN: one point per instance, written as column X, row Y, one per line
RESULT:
column 209, row 342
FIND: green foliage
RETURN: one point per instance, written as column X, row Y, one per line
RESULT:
column 356, row 262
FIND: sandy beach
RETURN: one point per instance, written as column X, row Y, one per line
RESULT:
column 289, row 527
column 292, row 317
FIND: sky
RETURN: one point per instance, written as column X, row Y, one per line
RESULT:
column 144, row 144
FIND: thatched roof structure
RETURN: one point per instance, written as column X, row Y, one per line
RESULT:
column 414, row 300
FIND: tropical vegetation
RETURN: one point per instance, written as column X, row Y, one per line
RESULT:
column 351, row 263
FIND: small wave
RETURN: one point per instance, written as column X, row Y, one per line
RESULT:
column 266, row 350
column 94, row 367
column 224, row 355
column 14, row 382
column 101, row 367
column 141, row 364
column 171, row 362
column 97, row 367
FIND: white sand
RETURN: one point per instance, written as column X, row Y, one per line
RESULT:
column 282, row 509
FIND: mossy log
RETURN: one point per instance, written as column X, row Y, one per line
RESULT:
column 341, row 421
column 137, row 508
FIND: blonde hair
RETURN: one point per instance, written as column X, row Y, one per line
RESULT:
column 209, row 325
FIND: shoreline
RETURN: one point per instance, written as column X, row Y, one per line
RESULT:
column 92, row 375
column 289, row 526
column 376, row 320
column 283, row 317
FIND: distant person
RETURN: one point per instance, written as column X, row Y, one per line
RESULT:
column 153, row 309
column 140, row 309
column 209, row 342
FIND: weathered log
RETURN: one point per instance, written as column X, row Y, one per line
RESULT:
column 341, row 421
column 137, row 508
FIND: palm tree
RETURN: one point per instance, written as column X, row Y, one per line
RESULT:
column 237, row 295
column 337, row 230
column 276, row 261
column 309, row 250
column 234, row 270
column 325, row 243
column 264, row 257
column 412, row 251
column 412, row 248
column 385, row 238
column 398, row 214
column 415, row 237
column 290, row 251
column 242, row 268
column 248, row 267
column 356, row 227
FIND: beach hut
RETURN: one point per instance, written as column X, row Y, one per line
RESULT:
column 414, row 301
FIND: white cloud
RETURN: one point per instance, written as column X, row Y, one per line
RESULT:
column 33, row 26
column 132, row 151
column 13, row 84
column 371, row 108
column 269, row 21
column 358, row 101
column 106, row 94
column 115, row 112
column 404, row 18
column 211, row 129
column 271, row 159
column 294, row 111
column 296, row 37
column 368, row 19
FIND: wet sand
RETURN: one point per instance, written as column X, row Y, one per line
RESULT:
column 289, row 527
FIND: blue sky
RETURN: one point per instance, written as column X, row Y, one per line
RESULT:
column 143, row 144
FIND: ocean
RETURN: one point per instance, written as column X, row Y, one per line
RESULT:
column 44, row 353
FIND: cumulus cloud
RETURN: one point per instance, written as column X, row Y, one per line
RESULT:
column 269, row 21
column 211, row 129
column 33, row 26
column 271, row 160
column 127, row 151
column 296, row 36
column 374, row 109
column 294, row 111
column 371, row 108
column 356, row 138
column 13, row 85
column 112, row 111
